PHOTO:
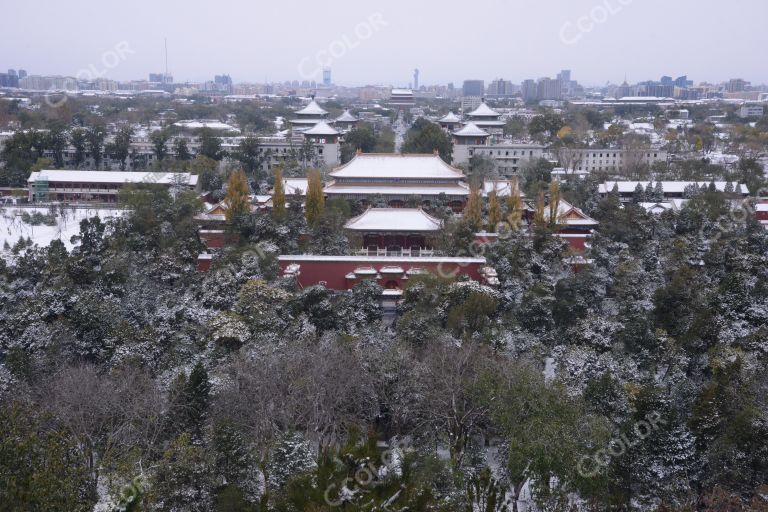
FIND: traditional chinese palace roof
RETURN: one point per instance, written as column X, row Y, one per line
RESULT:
column 411, row 220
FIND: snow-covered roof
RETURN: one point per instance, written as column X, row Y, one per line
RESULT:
column 213, row 125
column 486, row 122
column 293, row 185
column 63, row 176
column 309, row 122
column 390, row 260
column 346, row 117
column 645, row 99
column 312, row 109
column 503, row 188
column 470, row 130
column 658, row 207
column 669, row 187
column 393, row 165
column 394, row 219
column 450, row 117
column 570, row 215
column 395, row 190
column 483, row 110
column 401, row 92
column 321, row 128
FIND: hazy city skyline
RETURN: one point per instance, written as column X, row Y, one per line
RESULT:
column 600, row 40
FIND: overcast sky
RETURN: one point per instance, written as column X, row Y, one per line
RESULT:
column 383, row 41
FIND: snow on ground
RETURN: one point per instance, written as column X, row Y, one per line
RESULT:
column 550, row 367
column 12, row 226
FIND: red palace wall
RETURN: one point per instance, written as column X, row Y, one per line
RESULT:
column 576, row 241
column 212, row 238
column 204, row 262
column 334, row 269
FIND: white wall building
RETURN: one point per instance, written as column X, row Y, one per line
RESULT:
column 507, row 157
column 611, row 160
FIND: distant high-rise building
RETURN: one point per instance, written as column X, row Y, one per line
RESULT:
column 549, row 89
column 223, row 83
column 160, row 78
column 22, row 73
column 565, row 80
column 473, row 88
column 500, row 88
column 681, row 81
column 327, row 77
column 736, row 85
column 624, row 90
column 416, row 79
column 528, row 90
column 666, row 80
column 659, row 90
column 10, row 79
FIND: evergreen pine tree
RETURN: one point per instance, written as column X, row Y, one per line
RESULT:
column 198, row 389
column 658, row 192
column 291, row 457
column 638, row 196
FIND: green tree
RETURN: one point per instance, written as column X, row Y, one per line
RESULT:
column 120, row 148
column 426, row 137
column 535, row 175
column 198, row 391
column 56, row 143
column 40, row 467
column 159, row 140
column 545, row 126
column 94, row 137
column 210, row 145
column 547, row 432
column 361, row 138
column 515, row 127
column 182, row 479
column 19, row 154
column 249, row 155
column 180, row 149
column 78, row 139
